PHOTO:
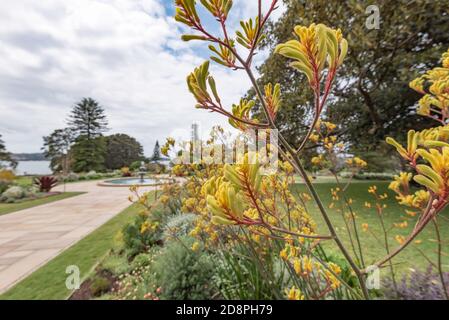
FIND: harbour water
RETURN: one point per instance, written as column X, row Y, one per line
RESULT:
column 33, row 168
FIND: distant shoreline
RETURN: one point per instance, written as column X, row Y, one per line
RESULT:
column 29, row 157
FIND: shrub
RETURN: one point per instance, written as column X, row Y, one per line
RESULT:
column 172, row 199
column 156, row 168
column 99, row 286
column 184, row 274
column 14, row 193
column 71, row 177
column 368, row 176
column 141, row 260
column 92, row 175
column 140, row 282
column 4, row 185
column 135, row 165
column 45, row 184
column 141, row 235
column 6, row 179
column 178, row 225
column 110, row 174
column 7, row 175
column 126, row 172
column 31, row 192
column 116, row 264
column 115, row 173
column 239, row 278
column 418, row 285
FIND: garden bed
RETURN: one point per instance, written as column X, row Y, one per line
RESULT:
column 157, row 257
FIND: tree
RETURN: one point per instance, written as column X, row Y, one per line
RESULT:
column 372, row 99
column 88, row 155
column 157, row 155
column 5, row 156
column 121, row 151
column 57, row 149
column 88, row 121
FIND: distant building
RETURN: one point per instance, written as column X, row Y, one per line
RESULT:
column 195, row 132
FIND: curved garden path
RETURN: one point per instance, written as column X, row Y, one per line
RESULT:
column 31, row 237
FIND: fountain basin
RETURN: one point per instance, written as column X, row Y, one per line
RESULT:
column 128, row 182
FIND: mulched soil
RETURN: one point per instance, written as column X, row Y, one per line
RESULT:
column 85, row 293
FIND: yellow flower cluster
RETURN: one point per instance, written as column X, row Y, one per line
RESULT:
column 324, row 135
column 148, row 226
column 199, row 83
column 401, row 186
column 305, row 267
column 317, row 45
column 401, row 225
column 169, row 143
column 273, row 98
column 294, row 294
column 427, row 151
column 241, row 111
column 400, row 239
column 357, row 163
column 365, row 227
column 435, row 102
column 318, row 160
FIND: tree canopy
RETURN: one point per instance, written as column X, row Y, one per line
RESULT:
column 88, row 119
column 88, row 155
column 157, row 154
column 6, row 156
column 121, row 151
column 57, row 147
column 372, row 99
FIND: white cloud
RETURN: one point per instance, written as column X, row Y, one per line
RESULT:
column 124, row 53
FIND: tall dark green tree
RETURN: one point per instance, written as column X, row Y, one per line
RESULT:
column 371, row 99
column 5, row 156
column 88, row 154
column 157, row 154
column 57, row 148
column 121, row 151
column 88, row 121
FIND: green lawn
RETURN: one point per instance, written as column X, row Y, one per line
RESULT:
column 372, row 248
column 24, row 181
column 13, row 207
column 48, row 283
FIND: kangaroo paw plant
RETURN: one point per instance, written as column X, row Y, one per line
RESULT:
column 240, row 207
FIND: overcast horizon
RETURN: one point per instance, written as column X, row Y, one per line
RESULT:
column 126, row 54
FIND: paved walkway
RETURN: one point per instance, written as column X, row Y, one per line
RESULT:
column 31, row 237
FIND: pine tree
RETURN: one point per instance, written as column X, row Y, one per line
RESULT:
column 88, row 121
column 156, row 153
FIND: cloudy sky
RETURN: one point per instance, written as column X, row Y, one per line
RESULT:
column 125, row 53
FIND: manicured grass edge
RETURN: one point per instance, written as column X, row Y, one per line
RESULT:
column 48, row 282
column 37, row 202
